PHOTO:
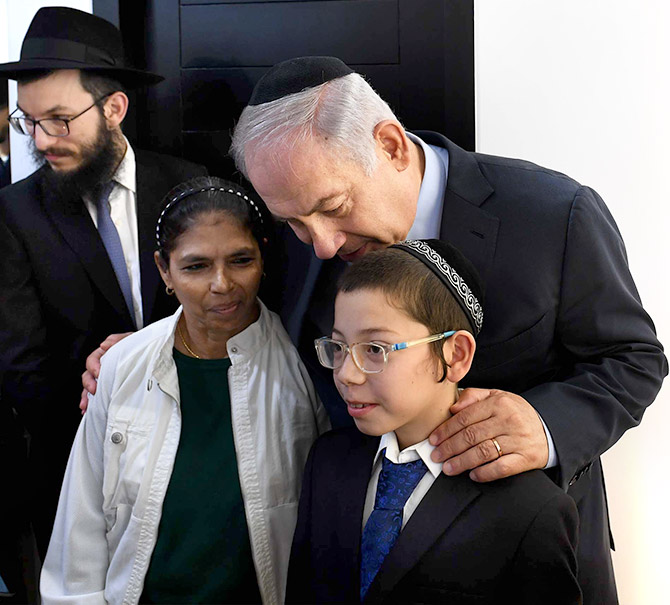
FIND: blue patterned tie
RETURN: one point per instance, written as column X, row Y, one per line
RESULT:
column 112, row 241
column 396, row 484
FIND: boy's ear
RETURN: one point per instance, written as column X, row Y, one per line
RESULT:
column 459, row 351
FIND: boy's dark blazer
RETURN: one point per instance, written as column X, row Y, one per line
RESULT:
column 508, row 542
column 59, row 299
column 563, row 323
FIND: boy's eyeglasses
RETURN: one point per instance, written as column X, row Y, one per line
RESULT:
column 369, row 357
column 54, row 127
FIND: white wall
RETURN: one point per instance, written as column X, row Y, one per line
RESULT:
column 582, row 86
column 15, row 17
column 4, row 45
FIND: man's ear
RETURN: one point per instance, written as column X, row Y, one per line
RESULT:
column 393, row 143
column 163, row 269
column 115, row 109
column 459, row 351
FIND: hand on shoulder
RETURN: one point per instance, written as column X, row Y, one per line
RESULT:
column 493, row 433
column 90, row 376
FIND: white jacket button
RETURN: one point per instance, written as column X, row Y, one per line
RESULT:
column 117, row 438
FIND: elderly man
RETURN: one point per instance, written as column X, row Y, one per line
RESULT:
column 567, row 359
column 77, row 236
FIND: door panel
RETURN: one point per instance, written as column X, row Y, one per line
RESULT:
column 418, row 54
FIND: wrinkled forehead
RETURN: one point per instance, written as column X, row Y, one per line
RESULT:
column 292, row 153
column 292, row 177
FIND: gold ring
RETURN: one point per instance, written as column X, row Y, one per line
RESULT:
column 495, row 442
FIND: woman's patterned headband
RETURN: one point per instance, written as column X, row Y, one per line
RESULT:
column 184, row 194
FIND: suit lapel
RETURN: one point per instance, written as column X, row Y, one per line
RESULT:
column 464, row 223
column 148, row 211
column 358, row 469
column 445, row 500
column 74, row 222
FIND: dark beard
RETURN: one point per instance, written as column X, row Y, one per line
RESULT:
column 100, row 160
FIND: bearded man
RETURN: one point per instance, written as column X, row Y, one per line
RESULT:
column 77, row 236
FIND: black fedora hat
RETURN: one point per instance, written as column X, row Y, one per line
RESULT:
column 66, row 38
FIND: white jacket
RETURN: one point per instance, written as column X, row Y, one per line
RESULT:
column 121, row 462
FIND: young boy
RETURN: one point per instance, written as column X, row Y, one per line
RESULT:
column 378, row 520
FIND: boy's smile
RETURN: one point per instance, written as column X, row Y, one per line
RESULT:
column 358, row 409
column 406, row 397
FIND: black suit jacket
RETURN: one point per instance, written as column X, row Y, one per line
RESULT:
column 60, row 298
column 563, row 323
column 512, row 541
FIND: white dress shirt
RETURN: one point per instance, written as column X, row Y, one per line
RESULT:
column 428, row 217
column 413, row 452
column 123, row 210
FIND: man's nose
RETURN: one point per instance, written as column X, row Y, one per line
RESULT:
column 41, row 138
column 326, row 239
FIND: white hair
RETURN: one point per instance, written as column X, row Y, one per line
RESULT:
column 344, row 111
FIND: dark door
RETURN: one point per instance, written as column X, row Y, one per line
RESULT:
column 418, row 54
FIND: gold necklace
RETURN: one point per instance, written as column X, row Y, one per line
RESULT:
column 183, row 341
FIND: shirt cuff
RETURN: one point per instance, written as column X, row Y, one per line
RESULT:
column 553, row 456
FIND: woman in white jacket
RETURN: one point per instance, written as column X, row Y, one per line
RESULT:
column 184, row 478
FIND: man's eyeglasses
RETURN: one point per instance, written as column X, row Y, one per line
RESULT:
column 54, row 127
column 369, row 357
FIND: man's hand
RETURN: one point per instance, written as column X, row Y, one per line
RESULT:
column 466, row 440
column 89, row 377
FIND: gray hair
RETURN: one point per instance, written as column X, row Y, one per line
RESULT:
column 344, row 110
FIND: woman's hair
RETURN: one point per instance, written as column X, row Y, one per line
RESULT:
column 188, row 201
column 344, row 111
column 410, row 286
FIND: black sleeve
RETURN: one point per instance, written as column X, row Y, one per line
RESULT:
column 28, row 379
column 545, row 565
column 615, row 364
column 299, row 586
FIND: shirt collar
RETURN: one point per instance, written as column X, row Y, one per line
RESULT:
column 422, row 450
column 429, row 205
column 125, row 173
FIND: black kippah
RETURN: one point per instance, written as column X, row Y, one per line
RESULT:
column 455, row 271
column 295, row 75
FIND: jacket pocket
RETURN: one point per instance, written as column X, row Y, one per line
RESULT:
column 117, row 522
column 423, row 595
column 126, row 451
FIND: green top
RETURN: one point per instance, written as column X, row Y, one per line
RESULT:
column 203, row 553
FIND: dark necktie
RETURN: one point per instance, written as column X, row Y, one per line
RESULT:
column 112, row 241
column 396, row 484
